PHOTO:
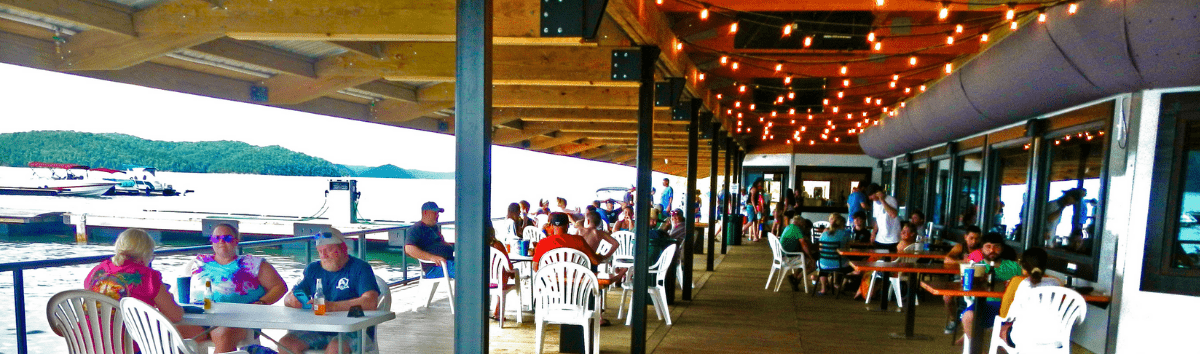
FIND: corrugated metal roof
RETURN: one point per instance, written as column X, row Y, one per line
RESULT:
column 310, row 49
column 42, row 19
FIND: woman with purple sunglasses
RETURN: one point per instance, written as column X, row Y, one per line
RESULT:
column 236, row 278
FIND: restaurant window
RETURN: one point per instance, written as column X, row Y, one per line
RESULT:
column 1074, row 193
column 825, row 189
column 1172, row 259
column 1011, row 173
column 966, row 206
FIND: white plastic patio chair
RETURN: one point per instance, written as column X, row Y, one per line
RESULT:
column 563, row 254
column 89, row 321
column 566, row 293
column 623, row 258
column 152, row 332
column 657, row 290
column 432, row 285
column 1044, row 316
column 532, row 233
column 500, row 286
column 783, row 263
column 894, row 280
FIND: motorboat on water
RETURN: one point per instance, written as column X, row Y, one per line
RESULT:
column 64, row 180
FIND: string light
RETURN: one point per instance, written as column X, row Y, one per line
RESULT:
column 1071, row 8
column 944, row 12
column 912, row 61
column 704, row 14
column 807, row 41
column 733, row 27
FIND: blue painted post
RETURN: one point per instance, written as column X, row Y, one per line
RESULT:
column 19, row 310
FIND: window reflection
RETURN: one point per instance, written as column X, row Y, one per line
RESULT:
column 1012, row 173
column 1186, row 253
column 966, row 208
column 1069, row 216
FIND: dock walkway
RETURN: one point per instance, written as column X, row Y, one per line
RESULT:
column 730, row 313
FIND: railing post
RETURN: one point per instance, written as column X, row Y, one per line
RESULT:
column 19, row 310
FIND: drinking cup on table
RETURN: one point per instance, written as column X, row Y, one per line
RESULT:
column 183, row 289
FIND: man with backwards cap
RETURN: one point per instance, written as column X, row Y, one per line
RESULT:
column 345, row 282
column 425, row 242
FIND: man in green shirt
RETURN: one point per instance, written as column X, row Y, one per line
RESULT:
column 1001, row 270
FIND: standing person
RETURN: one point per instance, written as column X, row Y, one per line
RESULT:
column 857, row 200
column 242, row 279
column 346, row 282
column 1002, row 270
column 964, row 252
column 887, row 218
column 425, row 242
column 128, row 274
column 668, row 195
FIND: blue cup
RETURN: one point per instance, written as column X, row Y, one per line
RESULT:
column 968, row 280
column 183, row 288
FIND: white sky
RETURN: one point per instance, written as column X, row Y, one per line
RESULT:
column 32, row 99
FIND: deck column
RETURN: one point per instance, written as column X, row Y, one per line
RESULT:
column 473, row 170
column 690, row 203
column 712, row 194
column 645, row 165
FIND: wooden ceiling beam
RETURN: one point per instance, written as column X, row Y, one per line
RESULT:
column 258, row 54
column 512, row 65
column 364, row 20
column 98, row 15
column 99, row 50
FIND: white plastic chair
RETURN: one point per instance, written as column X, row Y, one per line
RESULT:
column 784, row 262
column 563, row 254
column 500, row 287
column 532, row 233
column 152, row 331
column 432, row 284
column 565, row 294
column 623, row 258
column 894, row 281
column 1045, row 316
column 89, row 321
column 658, row 290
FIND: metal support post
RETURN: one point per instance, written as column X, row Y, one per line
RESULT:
column 690, row 212
column 473, row 170
column 645, row 165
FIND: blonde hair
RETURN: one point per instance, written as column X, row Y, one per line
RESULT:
column 133, row 244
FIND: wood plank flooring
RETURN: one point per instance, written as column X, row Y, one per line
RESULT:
column 730, row 313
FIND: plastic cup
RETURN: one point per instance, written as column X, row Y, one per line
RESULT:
column 968, row 280
column 183, row 289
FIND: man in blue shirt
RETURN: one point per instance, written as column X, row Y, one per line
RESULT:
column 667, row 195
column 425, row 242
column 345, row 282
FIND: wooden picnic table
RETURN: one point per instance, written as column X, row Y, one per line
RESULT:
column 994, row 290
column 912, row 269
column 883, row 252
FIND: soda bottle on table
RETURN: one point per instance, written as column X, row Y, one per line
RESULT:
column 319, row 300
column 208, row 295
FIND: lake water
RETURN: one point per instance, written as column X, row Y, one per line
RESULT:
column 386, row 199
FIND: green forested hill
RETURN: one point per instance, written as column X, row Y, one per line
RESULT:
column 114, row 150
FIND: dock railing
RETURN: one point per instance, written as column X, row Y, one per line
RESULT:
column 18, row 268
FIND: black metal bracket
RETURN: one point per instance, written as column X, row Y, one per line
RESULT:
column 572, row 18
column 626, row 64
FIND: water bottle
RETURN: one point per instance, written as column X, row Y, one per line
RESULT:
column 208, row 295
column 319, row 300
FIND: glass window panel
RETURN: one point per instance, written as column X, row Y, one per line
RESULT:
column 1012, row 174
column 1069, row 216
column 966, row 208
column 1186, row 253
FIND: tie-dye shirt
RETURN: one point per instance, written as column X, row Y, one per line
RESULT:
column 236, row 282
column 131, row 279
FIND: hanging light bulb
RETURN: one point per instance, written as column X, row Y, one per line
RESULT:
column 878, row 46
column 807, row 41
column 724, row 59
column 1042, row 16
column 958, row 28
column 983, row 37
column 845, row 69
column 733, row 27
column 787, row 30
column 1071, row 8
column 704, row 14
column 871, row 36
column 944, row 12
column 912, row 61
column 949, row 68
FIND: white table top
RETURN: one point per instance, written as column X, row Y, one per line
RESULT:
column 281, row 317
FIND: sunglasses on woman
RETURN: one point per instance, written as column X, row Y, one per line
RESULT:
column 221, row 238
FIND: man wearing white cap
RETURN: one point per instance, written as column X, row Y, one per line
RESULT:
column 425, row 242
column 345, row 282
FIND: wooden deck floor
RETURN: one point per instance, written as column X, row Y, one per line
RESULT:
column 730, row 313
